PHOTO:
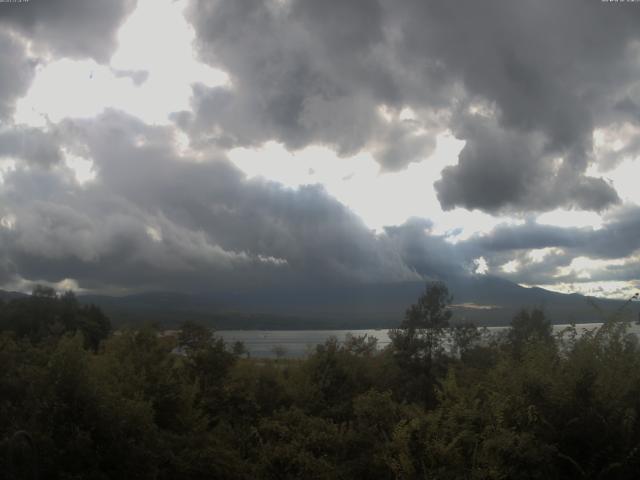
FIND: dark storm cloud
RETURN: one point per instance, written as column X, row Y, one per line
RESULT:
column 16, row 72
column 307, row 72
column 529, row 236
column 629, row 108
column 302, row 73
column 68, row 28
column 617, row 240
column 550, row 71
column 154, row 220
column 523, row 83
column 618, row 237
column 428, row 254
column 510, row 170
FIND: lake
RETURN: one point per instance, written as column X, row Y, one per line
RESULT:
column 298, row 343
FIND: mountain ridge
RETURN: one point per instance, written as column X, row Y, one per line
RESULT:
column 365, row 305
column 483, row 300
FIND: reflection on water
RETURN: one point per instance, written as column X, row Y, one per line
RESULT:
column 298, row 343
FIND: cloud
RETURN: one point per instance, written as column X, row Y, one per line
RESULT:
column 549, row 74
column 32, row 145
column 428, row 254
column 68, row 28
column 138, row 77
column 618, row 237
column 16, row 72
column 610, row 252
column 525, row 86
column 152, row 219
column 301, row 75
column 502, row 170
column 155, row 218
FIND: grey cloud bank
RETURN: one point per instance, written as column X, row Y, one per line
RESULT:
column 305, row 73
column 153, row 220
column 68, row 28
column 525, row 85
column 16, row 73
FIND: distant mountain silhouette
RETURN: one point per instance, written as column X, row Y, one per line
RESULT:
column 6, row 296
column 484, row 300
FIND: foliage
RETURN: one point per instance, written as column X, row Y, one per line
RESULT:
column 440, row 402
column 47, row 315
column 418, row 344
column 527, row 327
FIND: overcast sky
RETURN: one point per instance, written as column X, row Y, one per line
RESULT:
column 197, row 144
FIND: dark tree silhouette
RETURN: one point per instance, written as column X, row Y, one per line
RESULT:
column 419, row 341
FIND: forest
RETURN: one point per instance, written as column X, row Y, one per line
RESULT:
column 442, row 401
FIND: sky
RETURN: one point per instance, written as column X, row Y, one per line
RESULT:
column 191, row 145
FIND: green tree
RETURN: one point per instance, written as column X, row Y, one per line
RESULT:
column 48, row 315
column 208, row 362
column 529, row 327
column 418, row 344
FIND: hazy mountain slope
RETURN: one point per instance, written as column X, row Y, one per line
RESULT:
column 6, row 296
column 484, row 300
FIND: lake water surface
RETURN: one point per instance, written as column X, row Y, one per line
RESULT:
column 298, row 343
